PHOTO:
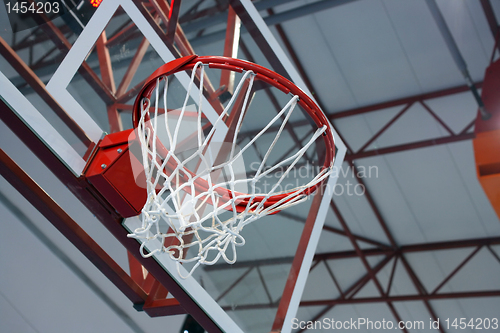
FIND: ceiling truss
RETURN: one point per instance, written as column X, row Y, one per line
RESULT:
column 392, row 253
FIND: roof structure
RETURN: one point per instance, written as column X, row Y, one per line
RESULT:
column 409, row 234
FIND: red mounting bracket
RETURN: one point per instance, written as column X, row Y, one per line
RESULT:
column 115, row 172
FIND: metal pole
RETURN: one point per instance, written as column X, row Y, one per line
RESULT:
column 457, row 56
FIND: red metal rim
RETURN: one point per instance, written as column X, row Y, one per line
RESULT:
column 262, row 73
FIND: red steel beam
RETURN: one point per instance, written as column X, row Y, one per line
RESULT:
column 422, row 247
column 374, row 300
column 311, row 88
column 335, row 282
column 40, row 61
column 298, row 261
column 411, row 146
column 381, row 106
column 437, row 118
column 404, row 298
column 350, row 292
column 413, row 248
column 373, row 206
column 69, row 228
column 162, row 9
column 230, row 49
column 105, row 62
column 35, row 37
column 163, row 307
column 85, row 70
column 337, row 231
column 420, row 288
column 131, row 93
column 114, row 119
column 132, row 68
column 231, row 287
column 418, row 285
column 455, row 271
column 259, row 39
column 447, row 245
column 192, row 15
column 357, row 237
column 298, row 146
column 391, row 277
column 264, row 285
column 403, row 101
column 295, row 58
column 139, row 274
column 385, row 127
column 173, row 18
column 493, row 253
column 357, row 250
column 288, row 260
column 184, row 48
column 104, row 213
column 354, row 288
column 122, row 34
column 158, row 305
column 463, row 135
column 363, row 259
column 106, row 69
column 32, row 79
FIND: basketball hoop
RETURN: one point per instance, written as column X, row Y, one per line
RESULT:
column 190, row 206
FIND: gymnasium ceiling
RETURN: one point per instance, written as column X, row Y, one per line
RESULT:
column 421, row 241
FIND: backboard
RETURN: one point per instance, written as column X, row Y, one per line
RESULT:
column 80, row 82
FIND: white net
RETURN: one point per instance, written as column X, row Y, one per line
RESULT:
column 199, row 201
